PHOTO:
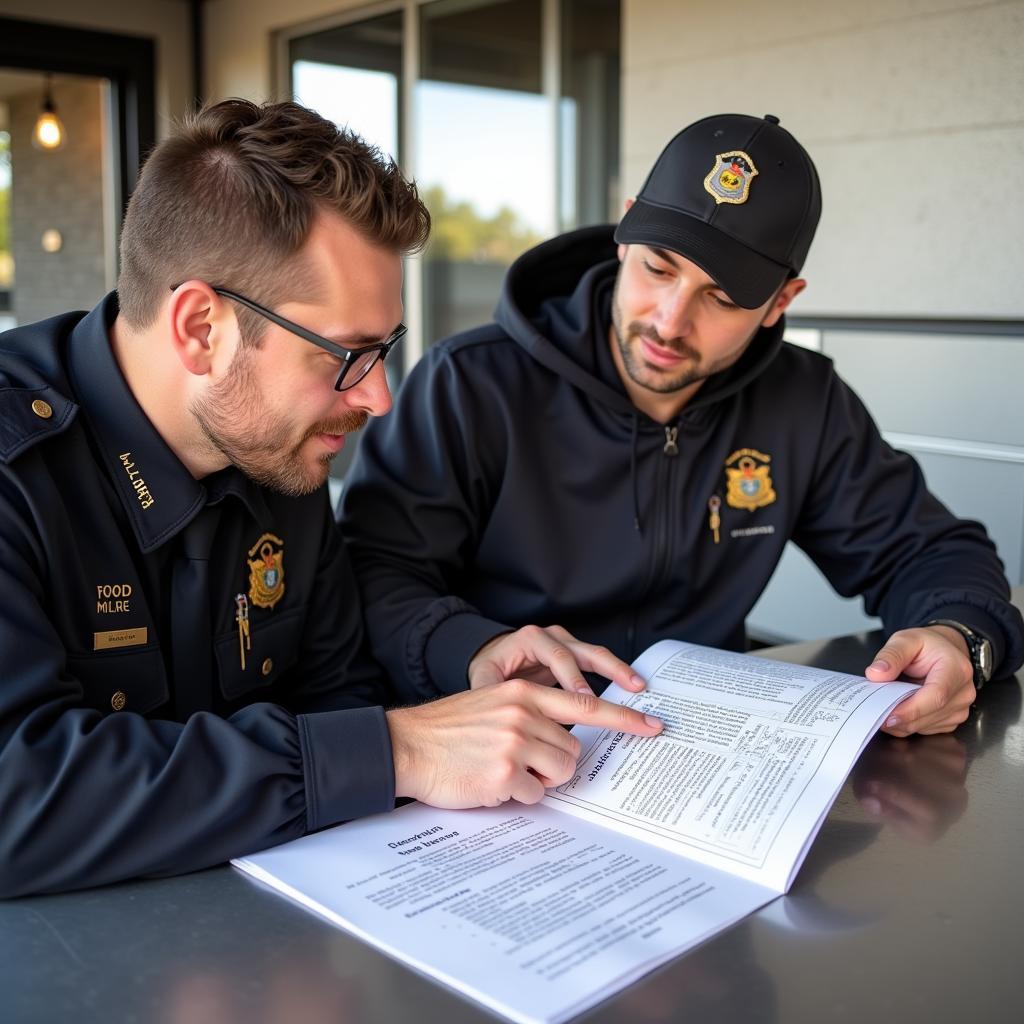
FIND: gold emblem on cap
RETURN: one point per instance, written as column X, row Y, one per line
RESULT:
column 266, row 573
column 42, row 409
column 730, row 178
column 749, row 485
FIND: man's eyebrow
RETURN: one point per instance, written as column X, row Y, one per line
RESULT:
column 359, row 340
column 352, row 340
column 671, row 257
column 664, row 254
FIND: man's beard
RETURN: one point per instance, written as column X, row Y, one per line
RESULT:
column 658, row 379
column 235, row 421
column 640, row 371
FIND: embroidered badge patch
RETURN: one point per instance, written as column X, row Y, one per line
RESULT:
column 749, row 485
column 266, row 573
column 730, row 178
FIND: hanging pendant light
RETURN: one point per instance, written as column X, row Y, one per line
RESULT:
column 49, row 131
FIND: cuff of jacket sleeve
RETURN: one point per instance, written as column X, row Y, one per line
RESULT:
column 452, row 645
column 980, row 621
column 347, row 765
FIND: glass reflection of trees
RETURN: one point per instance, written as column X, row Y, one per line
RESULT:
column 461, row 233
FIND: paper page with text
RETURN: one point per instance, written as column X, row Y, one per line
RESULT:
column 536, row 914
column 753, row 755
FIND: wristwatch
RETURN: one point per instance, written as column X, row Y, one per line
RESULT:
column 978, row 647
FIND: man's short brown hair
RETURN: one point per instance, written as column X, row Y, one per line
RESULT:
column 231, row 196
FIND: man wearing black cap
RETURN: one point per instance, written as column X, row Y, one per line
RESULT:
column 627, row 450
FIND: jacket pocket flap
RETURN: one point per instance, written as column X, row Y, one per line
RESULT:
column 273, row 649
column 121, row 680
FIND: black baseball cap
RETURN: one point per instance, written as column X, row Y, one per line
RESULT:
column 737, row 195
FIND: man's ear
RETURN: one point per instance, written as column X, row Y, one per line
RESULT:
column 789, row 291
column 200, row 322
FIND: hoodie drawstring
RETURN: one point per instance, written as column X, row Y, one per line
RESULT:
column 632, row 474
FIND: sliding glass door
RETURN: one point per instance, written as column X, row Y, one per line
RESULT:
column 504, row 111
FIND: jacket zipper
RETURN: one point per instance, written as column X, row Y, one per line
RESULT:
column 662, row 566
column 670, row 447
column 662, row 530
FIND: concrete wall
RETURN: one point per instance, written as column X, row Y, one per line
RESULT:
column 62, row 189
column 240, row 49
column 912, row 110
column 165, row 21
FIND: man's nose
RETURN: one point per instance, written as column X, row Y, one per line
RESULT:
column 372, row 394
column 674, row 315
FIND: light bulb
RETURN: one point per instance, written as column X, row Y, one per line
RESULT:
column 48, row 132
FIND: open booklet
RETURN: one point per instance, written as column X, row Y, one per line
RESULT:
column 655, row 845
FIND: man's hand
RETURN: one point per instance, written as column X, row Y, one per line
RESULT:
column 937, row 657
column 483, row 747
column 551, row 656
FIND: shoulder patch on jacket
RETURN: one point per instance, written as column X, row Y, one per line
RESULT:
column 29, row 415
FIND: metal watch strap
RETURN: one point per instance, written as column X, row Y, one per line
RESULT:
column 979, row 648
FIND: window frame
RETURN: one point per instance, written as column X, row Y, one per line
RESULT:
column 551, row 43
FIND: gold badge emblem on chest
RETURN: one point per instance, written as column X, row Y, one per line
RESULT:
column 266, row 571
column 749, row 484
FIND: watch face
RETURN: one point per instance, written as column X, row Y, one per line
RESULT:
column 978, row 647
column 984, row 657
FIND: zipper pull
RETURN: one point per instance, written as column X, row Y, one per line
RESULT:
column 714, row 519
column 671, row 448
column 242, row 618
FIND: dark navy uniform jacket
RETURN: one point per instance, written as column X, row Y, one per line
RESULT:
column 515, row 482
column 114, row 760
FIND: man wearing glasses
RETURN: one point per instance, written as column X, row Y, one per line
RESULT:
column 183, row 678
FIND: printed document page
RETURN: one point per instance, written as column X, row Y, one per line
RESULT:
column 536, row 914
column 753, row 755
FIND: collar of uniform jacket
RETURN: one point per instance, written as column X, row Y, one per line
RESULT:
column 160, row 496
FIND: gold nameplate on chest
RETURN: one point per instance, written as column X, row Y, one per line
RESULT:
column 120, row 638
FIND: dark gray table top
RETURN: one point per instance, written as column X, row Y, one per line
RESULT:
column 907, row 908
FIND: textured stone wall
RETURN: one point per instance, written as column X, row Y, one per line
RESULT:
column 61, row 189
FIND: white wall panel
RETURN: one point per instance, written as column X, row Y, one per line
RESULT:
column 909, row 108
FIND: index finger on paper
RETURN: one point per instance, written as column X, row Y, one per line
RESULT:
column 586, row 709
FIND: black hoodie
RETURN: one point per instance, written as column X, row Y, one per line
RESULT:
column 516, row 483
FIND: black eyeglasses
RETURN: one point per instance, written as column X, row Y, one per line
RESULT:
column 358, row 362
